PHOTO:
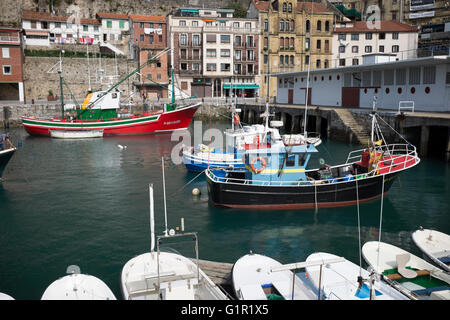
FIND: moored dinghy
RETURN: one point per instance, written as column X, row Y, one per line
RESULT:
column 160, row 275
column 254, row 278
column 76, row 134
column 435, row 244
column 406, row 272
column 340, row 279
column 77, row 286
column 5, row 156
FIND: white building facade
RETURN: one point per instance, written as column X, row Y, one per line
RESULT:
column 425, row 82
column 353, row 40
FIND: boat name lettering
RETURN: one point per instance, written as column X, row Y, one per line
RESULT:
column 171, row 122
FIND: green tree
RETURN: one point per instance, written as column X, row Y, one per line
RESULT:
column 239, row 10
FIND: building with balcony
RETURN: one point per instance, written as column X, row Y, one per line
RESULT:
column 115, row 31
column 293, row 36
column 214, row 54
column 44, row 29
column 353, row 40
column 149, row 37
column 11, row 63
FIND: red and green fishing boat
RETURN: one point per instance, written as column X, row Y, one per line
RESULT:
column 101, row 111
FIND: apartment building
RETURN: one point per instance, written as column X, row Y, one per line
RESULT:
column 214, row 54
column 44, row 29
column 149, row 37
column 353, row 40
column 11, row 63
column 294, row 35
column 115, row 30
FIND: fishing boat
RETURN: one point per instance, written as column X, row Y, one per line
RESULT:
column 254, row 278
column 278, row 177
column 77, row 286
column 167, row 275
column 5, row 156
column 237, row 139
column 409, row 274
column 340, row 279
column 76, row 134
column 435, row 245
column 101, row 111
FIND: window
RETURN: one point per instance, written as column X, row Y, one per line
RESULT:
column 341, row 62
column 237, row 54
column 308, row 25
column 248, row 25
column 281, row 60
column 158, row 76
column 319, row 45
column 414, row 75
column 250, row 41
column 5, row 53
column 249, row 69
column 286, row 60
column 33, row 25
column 195, row 40
column 282, row 25
column 85, row 27
column 237, row 69
column 319, row 25
column 395, row 35
column 183, row 66
column 222, row 24
column 292, row 25
column 307, row 43
column 211, row 38
column 109, row 24
column 400, row 77
column 342, row 49
column 182, row 23
column 429, row 75
column 382, row 36
column 121, row 24
column 266, row 25
column 306, row 60
column 290, row 7
column 196, row 66
column 236, row 25
column 290, row 161
column 183, row 54
column 355, row 61
column 368, row 36
column 355, row 49
column 327, row 45
column 284, row 7
column 325, row 64
column 211, row 53
column 318, row 63
column 195, row 23
column 160, row 38
column 381, row 49
column 342, row 36
column 355, row 36
column 224, row 67
column 395, row 48
column 266, row 42
column 141, row 25
column 266, row 59
column 225, row 38
column 96, row 28
column 58, row 25
column 141, row 38
column 183, row 39
column 6, row 70
column 225, row 52
column 291, row 60
column 211, row 67
column 250, row 55
column 150, row 40
column 237, row 40
column 327, row 25
column 368, row 49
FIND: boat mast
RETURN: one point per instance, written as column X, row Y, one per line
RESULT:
column 152, row 219
column 164, row 192
column 307, row 84
column 61, row 84
column 89, row 69
column 374, row 110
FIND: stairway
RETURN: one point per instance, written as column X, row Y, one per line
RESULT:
column 112, row 48
column 358, row 131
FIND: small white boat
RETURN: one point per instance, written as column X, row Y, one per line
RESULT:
column 76, row 134
column 160, row 275
column 406, row 272
column 434, row 244
column 338, row 280
column 255, row 278
column 77, row 286
column 4, row 296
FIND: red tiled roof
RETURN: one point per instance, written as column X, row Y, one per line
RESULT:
column 385, row 26
column 314, row 7
column 138, row 17
column 261, row 5
column 45, row 16
column 112, row 15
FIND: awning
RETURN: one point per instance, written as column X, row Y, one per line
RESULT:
column 36, row 33
column 241, row 86
column 209, row 20
column 189, row 10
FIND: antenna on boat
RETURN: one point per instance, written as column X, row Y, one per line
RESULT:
column 164, row 192
column 152, row 218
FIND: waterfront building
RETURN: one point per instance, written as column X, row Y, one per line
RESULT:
column 294, row 35
column 11, row 63
column 115, row 31
column 149, row 37
column 45, row 29
column 214, row 53
column 422, row 83
column 352, row 40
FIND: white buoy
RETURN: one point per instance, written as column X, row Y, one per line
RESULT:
column 196, row 191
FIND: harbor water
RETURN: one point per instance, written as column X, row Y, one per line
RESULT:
column 86, row 203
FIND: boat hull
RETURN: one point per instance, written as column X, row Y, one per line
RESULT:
column 240, row 195
column 177, row 119
column 5, row 156
column 197, row 164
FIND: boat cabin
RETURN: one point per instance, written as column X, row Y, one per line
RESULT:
column 100, row 105
column 278, row 163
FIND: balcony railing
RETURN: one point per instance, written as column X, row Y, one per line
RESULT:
column 9, row 39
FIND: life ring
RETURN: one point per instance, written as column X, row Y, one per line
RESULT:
column 263, row 164
column 236, row 119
